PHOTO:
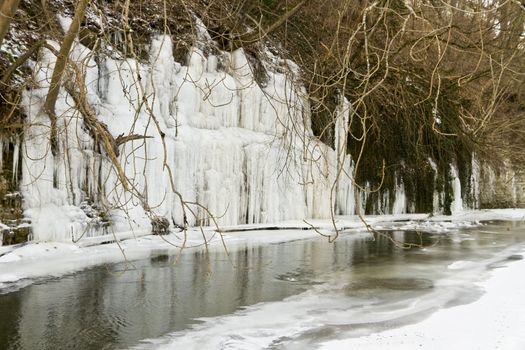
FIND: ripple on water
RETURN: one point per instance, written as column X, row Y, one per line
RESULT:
column 407, row 284
column 296, row 276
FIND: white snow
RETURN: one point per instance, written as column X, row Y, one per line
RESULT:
column 460, row 264
column 484, row 214
column 22, row 265
column 495, row 321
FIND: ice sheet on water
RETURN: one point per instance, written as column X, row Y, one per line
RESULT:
column 494, row 321
column 326, row 312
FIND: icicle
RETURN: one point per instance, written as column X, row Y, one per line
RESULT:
column 1, row 156
column 514, row 189
column 457, row 203
column 344, row 168
column 16, row 157
column 400, row 203
column 474, row 183
column 437, row 197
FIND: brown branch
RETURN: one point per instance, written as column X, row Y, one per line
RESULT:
column 20, row 61
column 7, row 12
column 98, row 130
column 58, row 71
column 121, row 139
column 252, row 37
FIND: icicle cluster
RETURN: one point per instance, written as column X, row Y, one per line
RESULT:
column 242, row 150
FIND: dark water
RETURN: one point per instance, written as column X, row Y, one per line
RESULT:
column 109, row 307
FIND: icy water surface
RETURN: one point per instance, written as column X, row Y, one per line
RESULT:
column 289, row 295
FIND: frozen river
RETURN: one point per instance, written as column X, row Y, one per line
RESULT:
column 288, row 295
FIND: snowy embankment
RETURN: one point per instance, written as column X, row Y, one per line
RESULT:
column 495, row 321
column 23, row 264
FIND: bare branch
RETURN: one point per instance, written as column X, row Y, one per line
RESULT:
column 60, row 65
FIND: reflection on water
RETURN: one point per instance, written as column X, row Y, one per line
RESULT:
column 116, row 306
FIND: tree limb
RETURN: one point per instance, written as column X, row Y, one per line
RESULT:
column 98, row 130
column 58, row 71
column 121, row 139
column 20, row 61
column 7, row 12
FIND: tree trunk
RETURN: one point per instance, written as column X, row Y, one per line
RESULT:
column 7, row 12
column 60, row 65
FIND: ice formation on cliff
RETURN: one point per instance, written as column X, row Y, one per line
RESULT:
column 243, row 150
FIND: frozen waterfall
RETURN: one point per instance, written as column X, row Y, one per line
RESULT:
column 244, row 151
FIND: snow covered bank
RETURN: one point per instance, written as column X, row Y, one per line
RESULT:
column 23, row 264
column 341, row 299
column 495, row 321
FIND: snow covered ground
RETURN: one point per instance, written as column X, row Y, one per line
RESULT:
column 325, row 318
column 495, row 321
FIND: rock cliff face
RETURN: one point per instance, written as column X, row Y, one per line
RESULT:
column 502, row 189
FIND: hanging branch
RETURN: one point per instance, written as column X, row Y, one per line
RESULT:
column 75, row 87
column 58, row 71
